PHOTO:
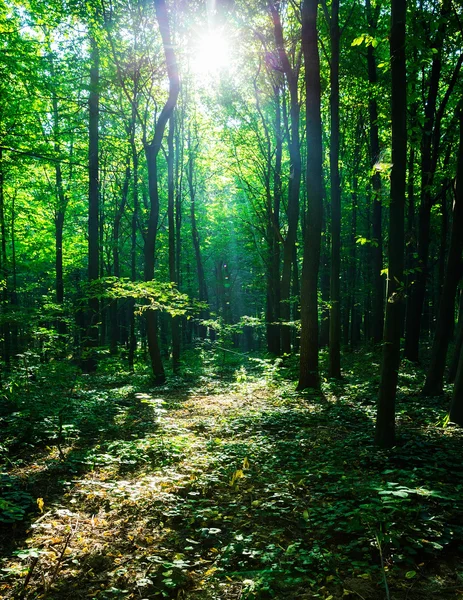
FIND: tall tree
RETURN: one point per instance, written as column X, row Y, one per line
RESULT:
column 308, row 366
column 335, row 187
column 292, row 77
column 453, row 272
column 376, row 247
column 89, row 362
column 385, row 419
column 152, row 149
column 433, row 114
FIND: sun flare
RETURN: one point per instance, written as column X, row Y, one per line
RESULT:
column 212, row 54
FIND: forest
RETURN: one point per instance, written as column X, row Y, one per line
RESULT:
column 231, row 300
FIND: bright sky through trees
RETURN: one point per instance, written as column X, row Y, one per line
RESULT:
column 212, row 53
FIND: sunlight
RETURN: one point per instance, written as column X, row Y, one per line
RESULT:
column 212, row 54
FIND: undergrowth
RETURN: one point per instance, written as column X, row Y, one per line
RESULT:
column 225, row 483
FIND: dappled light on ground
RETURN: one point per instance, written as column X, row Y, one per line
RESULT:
column 238, row 487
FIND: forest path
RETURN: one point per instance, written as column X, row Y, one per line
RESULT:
column 237, row 488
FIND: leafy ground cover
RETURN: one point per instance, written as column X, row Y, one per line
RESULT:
column 226, row 484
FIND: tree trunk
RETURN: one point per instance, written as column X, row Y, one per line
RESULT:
column 202, row 286
column 458, row 343
column 415, row 306
column 115, row 305
column 175, row 322
column 89, row 363
column 294, row 184
column 377, row 318
column 385, row 419
column 435, row 374
column 151, row 151
column 133, row 241
column 273, row 237
column 5, row 327
column 308, row 366
column 335, row 296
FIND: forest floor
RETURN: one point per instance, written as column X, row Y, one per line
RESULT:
column 227, row 484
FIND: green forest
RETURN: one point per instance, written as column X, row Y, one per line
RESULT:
column 231, row 299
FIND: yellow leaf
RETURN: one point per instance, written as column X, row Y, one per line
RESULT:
column 245, row 463
column 236, row 475
column 40, row 504
column 330, row 578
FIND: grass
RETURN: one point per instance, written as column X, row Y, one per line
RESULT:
column 227, row 485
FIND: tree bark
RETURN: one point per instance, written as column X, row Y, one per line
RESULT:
column 377, row 318
column 151, row 151
column 385, row 418
column 428, row 165
column 294, row 184
column 308, row 366
column 202, row 285
column 335, row 295
column 444, row 326
column 175, row 323
column 89, row 363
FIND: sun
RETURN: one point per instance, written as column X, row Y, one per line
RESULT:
column 212, row 54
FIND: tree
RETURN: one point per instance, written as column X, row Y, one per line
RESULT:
column 308, row 365
column 152, row 149
column 385, row 419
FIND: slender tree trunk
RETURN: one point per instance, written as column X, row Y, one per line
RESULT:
column 62, row 201
column 435, row 373
column 175, row 322
column 308, row 367
column 352, row 274
column 294, row 184
column 151, row 151
column 202, row 286
column 456, row 408
column 149, row 255
column 89, row 363
column 119, row 213
column 335, row 289
column 385, row 419
column 458, row 343
column 415, row 305
column 133, row 243
column 377, row 319
column 273, row 237
column 5, row 326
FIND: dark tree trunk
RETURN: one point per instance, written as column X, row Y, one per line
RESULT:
column 89, row 362
column 133, row 242
column 308, row 368
column 114, row 307
column 456, row 408
column 385, row 419
column 5, row 326
column 61, row 203
column 377, row 318
column 296, row 293
column 294, row 184
column 428, row 165
column 202, row 286
column 175, row 321
column 151, row 151
column 273, row 237
column 458, row 343
column 445, row 320
column 335, row 289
